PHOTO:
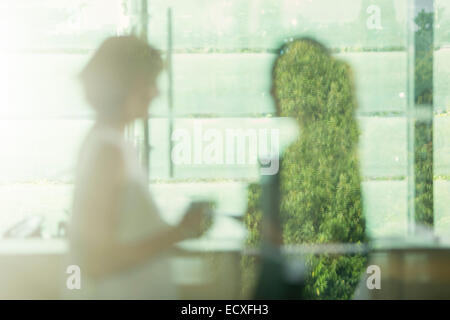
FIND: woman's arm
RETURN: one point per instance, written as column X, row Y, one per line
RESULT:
column 102, row 253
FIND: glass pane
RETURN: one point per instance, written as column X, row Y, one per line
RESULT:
column 377, row 72
column 223, row 53
column 441, row 207
column 50, row 201
column 194, row 137
column 239, row 83
column 441, row 130
column 219, row 84
column 43, row 116
column 442, row 146
column 442, row 23
column 37, row 170
column 441, row 83
column 266, row 24
column 55, row 24
column 43, row 86
column 383, row 147
column 385, row 208
column 31, row 149
column 225, row 69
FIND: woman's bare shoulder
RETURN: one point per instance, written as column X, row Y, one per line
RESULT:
column 102, row 155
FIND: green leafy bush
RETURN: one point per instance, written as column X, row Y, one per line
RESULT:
column 320, row 181
column 423, row 157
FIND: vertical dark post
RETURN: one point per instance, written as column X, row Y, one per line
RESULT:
column 274, row 281
column 423, row 101
column 270, row 284
column 270, row 204
column 170, row 86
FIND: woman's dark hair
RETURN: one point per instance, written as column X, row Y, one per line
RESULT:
column 115, row 68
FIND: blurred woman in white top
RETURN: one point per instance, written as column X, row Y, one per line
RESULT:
column 117, row 236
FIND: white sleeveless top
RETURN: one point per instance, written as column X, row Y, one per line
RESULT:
column 138, row 218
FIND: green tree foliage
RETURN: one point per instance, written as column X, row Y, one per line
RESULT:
column 424, row 127
column 320, row 181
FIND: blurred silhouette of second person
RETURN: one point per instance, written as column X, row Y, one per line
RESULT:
column 117, row 236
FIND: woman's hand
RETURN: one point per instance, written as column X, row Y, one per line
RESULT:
column 197, row 219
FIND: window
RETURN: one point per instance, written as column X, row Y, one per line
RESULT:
column 222, row 53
